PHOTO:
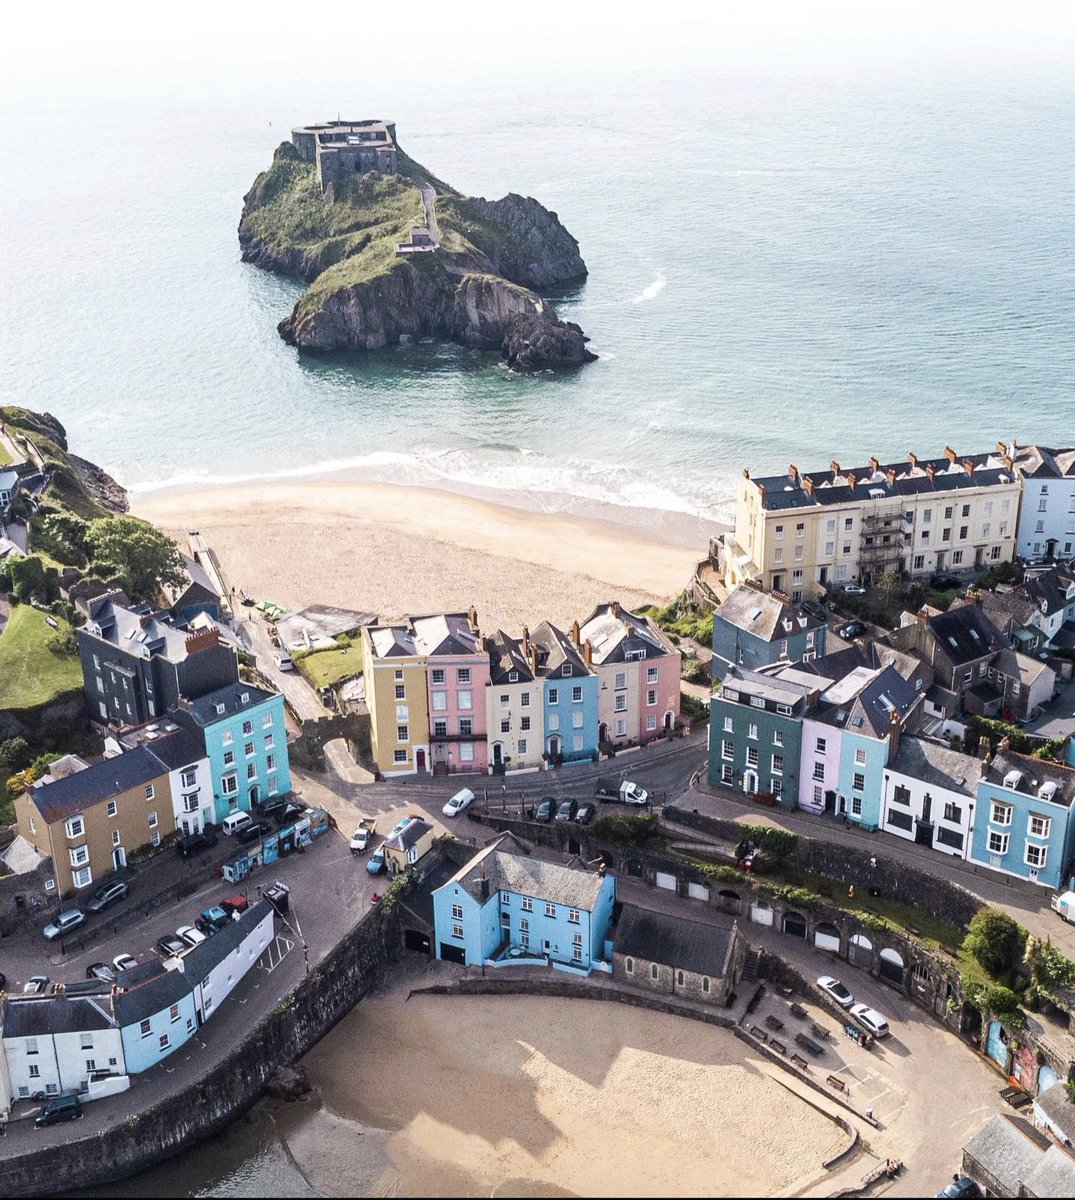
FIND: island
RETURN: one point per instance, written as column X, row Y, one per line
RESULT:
column 393, row 255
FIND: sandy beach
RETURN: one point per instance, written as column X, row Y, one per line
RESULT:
column 394, row 549
column 532, row 1096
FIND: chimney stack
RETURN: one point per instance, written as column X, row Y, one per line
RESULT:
column 1002, row 450
column 912, row 458
column 483, row 886
column 526, row 641
column 808, row 484
column 746, row 472
column 587, row 653
column 472, row 617
column 893, row 734
column 852, row 479
column 575, row 633
column 891, row 473
column 534, row 660
column 968, row 465
column 793, row 472
column 950, row 454
column 1009, row 462
column 616, row 609
column 761, row 492
column 930, row 471
column 875, row 462
column 834, row 467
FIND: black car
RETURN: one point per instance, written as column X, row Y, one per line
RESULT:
column 545, row 809
column 253, row 832
column 815, row 610
column 109, row 894
column 63, row 1108
column 272, row 808
column 195, row 843
column 585, row 812
column 289, row 812
column 851, row 630
column 567, row 810
column 101, row 971
column 170, row 945
column 944, row 583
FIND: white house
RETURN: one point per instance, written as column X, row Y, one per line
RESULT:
column 58, row 1043
column 190, row 778
column 215, row 966
column 928, row 796
column 515, row 709
column 1047, row 511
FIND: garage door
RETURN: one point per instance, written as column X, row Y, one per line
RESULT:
column 761, row 914
column 452, row 953
column 664, row 880
column 415, row 939
column 795, row 925
column 698, row 891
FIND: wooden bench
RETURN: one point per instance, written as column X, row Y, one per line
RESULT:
column 774, row 1022
column 798, row 1010
column 801, row 1063
column 808, row 1044
column 836, row 1082
column 779, row 1047
column 819, row 1031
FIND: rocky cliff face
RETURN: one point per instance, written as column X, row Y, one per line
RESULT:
column 475, row 289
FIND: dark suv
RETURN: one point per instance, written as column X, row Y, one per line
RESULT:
column 195, row 843
column 63, row 1108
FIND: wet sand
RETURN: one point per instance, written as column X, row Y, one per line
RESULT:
column 529, row 1096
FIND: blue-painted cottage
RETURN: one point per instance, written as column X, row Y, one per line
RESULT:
column 1024, row 826
column 754, row 629
column 155, row 1013
column 245, row 742
column 570, row 690
column 505, row 899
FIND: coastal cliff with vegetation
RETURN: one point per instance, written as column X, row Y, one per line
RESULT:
column 477, row 288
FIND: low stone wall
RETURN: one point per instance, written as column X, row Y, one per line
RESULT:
column 144, row 1139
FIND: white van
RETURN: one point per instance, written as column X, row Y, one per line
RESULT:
column 462, row 799
column 235, row 822
column 283, row 661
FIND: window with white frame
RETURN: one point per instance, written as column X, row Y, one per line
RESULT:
column 651, row 674
column 153, row 820
column 998, row 842
column 752, row 756
column 554, row 695
column 860, row 757
column 550, row 909
column 1036, row 855
column 116, row 838
column 464, row 700
column 1001, row 814
column 402, row 733
column 819, row 746
column 578, row 719
column 399, row 756
column 83, row 877
column 1039, row 827
column 858, row 781
column 727, row 773
column 752, row 732
column 576, row 694
column 229, row 784
column 457, row 912
column 856, row 806
column 528, row 904
column 818, row 795
column 251, row 770
column 75, row 827
column 651, row 722
column 457, row 931
column 266, row 720
column 819, row 771
column 150, row 793
column 436, row 675
column 778, row 737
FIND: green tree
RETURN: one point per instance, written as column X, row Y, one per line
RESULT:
column 15, row 752
column 890, row 581
column 28, row 578
column 144, row 555
column 996, row 940
column 64, row 536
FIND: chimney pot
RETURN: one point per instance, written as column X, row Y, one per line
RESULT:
column 891, row 473
column 616, row 610
column 834, row 467
column 808, row 484
column 912, row 458
column 875, row 462
column 1009, row 462
column 746, row 472
column 587, row 653
column 968, row 465
column 793, row 471
column 852, row 479
column 950, row 454
column 1002, row 450
column 575, row 633
column 930, row 471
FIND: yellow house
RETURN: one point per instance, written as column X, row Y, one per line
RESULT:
column 412, row 842
column 89, row 821
column 396, row 696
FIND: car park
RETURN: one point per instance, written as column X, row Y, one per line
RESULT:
column 835, row 990
column 109, row 894
column 62, row 1108
column 190, row 935
column 567, row 810
column 461, row 800
column 252, row 832
column 36, row 985
column 585, row 812
column 375, row 864
column 545, row 810
column 852, row 630
column 871, row 1020
column 124, row 962
column 853, row 589
column 101, row 971
column 170, row 945
column 195, row 843
column 64, row 923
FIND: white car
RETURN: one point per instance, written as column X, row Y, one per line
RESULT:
column 871, row 1019
column 360, row 840
column 835, row 990
column 854, row 589
column 124, row 962
column 190, row 935
column 462, row 799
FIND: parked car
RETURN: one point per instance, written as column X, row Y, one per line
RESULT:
column 290, row 812
column 962, row 1185
column 283, row 661
column 195, row 843
column 375, row 864
column 360, row 840
column 212, row 919
column 64, row 923
column 190, row 935
column 836, row 991
column 62, row 1108
column 235, row 904
column 852, row 630
column 944, row 583
column 853, row 589
column 545, row 810
column 464, row 798
column 253, row 832
column 124, row 962
column 101, row 971
column 170, row 945
column 235, row 821
column 35, row 985
column 585, row 812
column 109, row 894
column 815, row 610
column 871, row 1019
column 567, row 810
column 272, row 808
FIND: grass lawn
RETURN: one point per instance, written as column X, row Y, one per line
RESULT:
column 325, row 668
column 5, row 458
column 31, row 672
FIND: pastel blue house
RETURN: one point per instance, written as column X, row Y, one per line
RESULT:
column 156, row 1014
column 504, row 900
column 570, row 691
column 245, row 742
column 1024, row 825
column 754, row 629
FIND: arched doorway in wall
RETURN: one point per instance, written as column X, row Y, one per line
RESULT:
column 890, row 966
column 860, row 951
column 795, row 925
column 750, row 782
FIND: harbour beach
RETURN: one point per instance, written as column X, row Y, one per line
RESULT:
column 394, row 549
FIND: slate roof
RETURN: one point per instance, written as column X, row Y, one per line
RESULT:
column 764, row 615
column 58, row 800
column 1008, row 1148
column 964, row 634
column 614, row 633
column 676, row 941
column 155, row 995
column 177, row 749
column 1053, row 1175
column 1048, row 590
column 863, row 701
column 138, row 633
column 8, row 479
column 557, row 651
column 1054, row 1103
column 204, row 710
column 1035, row 772
column 198, row 962
column 937, row 766
column 197, row 583
column 1043, row 462
column 1010, row 607
column 40, row 1016
column 506, row 655
column 320, row 621
column 769, row 687
column 1019, row 666
column 508, row 870
column 410, row 835
column 830, row 487
column 445, row 634
column 392, row 641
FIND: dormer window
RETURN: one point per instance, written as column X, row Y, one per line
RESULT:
column 244, row 697
column 513, row 677
column 568, row 669
column 220, row 708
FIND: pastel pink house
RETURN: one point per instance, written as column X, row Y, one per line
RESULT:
column 457, row 678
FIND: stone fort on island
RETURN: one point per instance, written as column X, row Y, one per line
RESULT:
column 341, row 148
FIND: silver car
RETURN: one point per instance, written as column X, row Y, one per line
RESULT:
column 64, row 923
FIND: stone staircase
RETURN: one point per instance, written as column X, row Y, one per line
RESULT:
column 750, row 964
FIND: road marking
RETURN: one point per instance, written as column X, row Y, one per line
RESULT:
column 275, row 953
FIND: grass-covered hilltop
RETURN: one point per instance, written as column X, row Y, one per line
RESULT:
column 476, row 287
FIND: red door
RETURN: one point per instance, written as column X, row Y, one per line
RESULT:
column 420, row 760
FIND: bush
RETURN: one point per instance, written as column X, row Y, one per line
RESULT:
column 777, row 842
column 996, row 940
column 625, row 830
column 693, row 709
column 14, row 753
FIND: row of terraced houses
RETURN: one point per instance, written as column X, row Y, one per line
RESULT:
column 443, row 698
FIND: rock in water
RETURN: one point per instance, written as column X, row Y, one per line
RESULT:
column 532, row 343
column 289, row 1083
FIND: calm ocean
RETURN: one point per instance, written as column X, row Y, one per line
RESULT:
column 787, row 263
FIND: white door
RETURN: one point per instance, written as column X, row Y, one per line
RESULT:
column 761, row 915
column 698, row 891
column 666, row 881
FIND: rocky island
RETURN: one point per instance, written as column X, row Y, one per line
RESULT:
column 392, row 254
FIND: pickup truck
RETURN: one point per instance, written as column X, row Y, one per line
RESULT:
column 1064, row 904
column 616, row 791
